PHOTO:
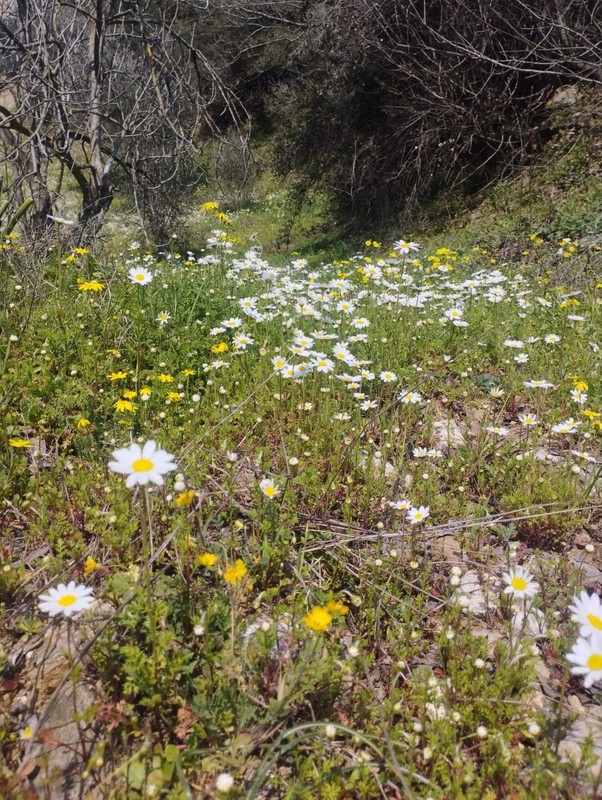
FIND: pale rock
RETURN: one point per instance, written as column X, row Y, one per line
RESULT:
column 447, row 435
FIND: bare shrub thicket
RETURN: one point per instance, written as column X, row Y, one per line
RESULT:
column 389, row 102
column 379, row 103
column 103, row 91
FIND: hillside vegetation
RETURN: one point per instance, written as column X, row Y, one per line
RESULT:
column 290, row 516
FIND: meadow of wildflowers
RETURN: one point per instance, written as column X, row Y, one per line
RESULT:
column 313, row 529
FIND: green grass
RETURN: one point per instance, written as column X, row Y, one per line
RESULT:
column 400, row 688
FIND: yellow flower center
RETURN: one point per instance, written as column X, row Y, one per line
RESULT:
column 594, row 662
column 139, row 276
column 270, row 491
column 67, row 600
column 520, row 584
column 142, row 465
column 595, row 621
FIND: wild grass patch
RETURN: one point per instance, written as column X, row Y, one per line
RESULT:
column 303, row 529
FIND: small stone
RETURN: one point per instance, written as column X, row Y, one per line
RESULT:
column 447, row 435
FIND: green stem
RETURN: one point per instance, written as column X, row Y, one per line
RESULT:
column 594, row 480
column 563, row 685
column 147, row 553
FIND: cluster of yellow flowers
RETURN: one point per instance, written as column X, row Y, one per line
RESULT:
column 320, row 617
column 233, row 573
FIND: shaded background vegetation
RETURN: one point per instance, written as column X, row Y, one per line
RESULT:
column 378, row 104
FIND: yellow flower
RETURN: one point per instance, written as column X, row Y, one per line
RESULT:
column 91, row 286
column 336, row 608
column 174, row 397
column 144, row 390
column 82, row 423
column 90, row 565
column 129, row 394
column 211, row 206
column 220, row 348
column 185, row 498
column 20, row 442
column 124, row 405
column 117, row 376
column 238, row 525
column 236, row 572
column 81, row 251
column 581, row 385
column 187, row 372
column 165, row 378
column 318, row 619
column 207, row 559
column 591, row 414
column 113, row 351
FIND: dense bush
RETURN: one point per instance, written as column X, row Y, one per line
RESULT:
column 391, row 102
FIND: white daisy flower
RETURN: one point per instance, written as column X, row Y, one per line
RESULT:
column 420, row 452
column 66, row 600
column 140, row 275
column 387, row 376
column 538, row 385
column 582, row 454
column 520, row 583
column 528, row 419
column 577, row 396
column 323, row 364
column 247, row 302
column 163, row 317
column 587, row 611
column 410, row 397
column 280, row 363
column 399, row 505
column 551, row 338
column 28, row 732
column 499, row 429
column 269, row 487
column 142, row 465
column 567, row 426
column 240, row 341
column 233, row 322
column 586, row 655
column 403, row 247
column 416, row 515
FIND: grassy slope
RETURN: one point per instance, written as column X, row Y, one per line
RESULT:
column 198, row 673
